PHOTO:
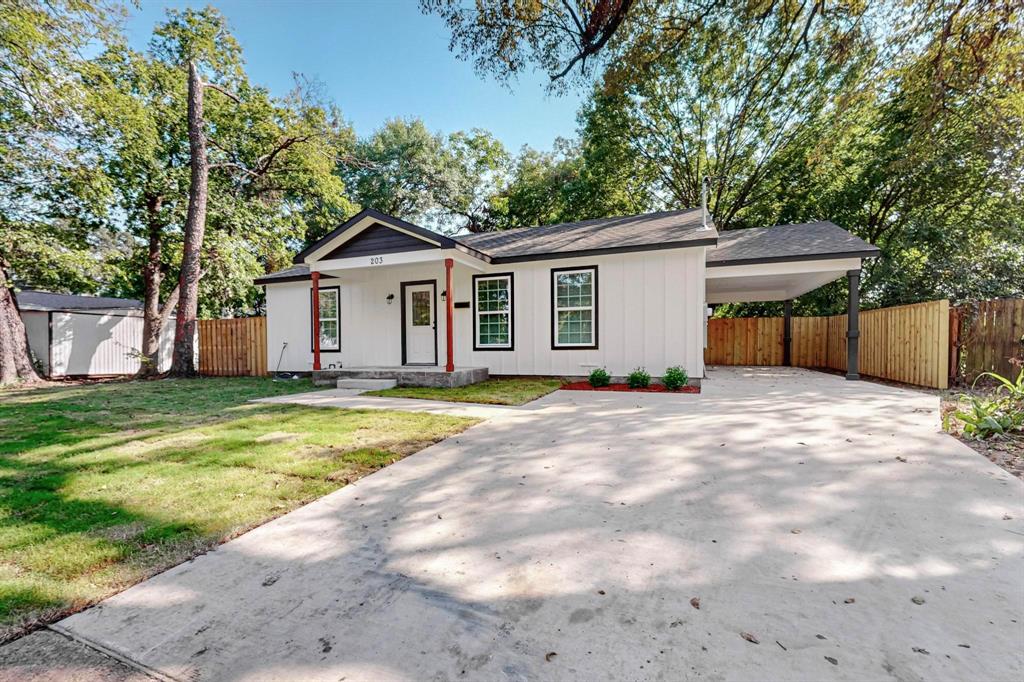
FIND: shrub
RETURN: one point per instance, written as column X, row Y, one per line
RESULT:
column 675, row 378
column 639, row 378
column 600, row 377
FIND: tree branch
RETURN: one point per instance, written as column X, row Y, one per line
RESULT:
column 223, row 91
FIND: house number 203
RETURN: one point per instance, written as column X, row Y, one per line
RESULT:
column 376, row 260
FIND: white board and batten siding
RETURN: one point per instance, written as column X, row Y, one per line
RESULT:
column 650, row 314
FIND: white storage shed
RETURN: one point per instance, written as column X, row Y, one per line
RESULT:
column 87, row 336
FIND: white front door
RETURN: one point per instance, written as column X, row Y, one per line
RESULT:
column 420, row 325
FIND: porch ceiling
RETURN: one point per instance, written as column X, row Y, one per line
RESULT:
column 773, row 281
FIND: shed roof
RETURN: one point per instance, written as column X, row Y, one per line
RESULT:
column 30, row 299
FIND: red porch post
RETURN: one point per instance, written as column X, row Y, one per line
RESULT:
column 449, row 309
column 316, row 320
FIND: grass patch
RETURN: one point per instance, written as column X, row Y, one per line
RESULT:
column 490, row 392
column 103, row 485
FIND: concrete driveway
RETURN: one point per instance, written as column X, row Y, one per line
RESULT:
column 828, row 521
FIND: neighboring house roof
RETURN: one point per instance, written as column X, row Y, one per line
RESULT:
column 804, row 241
column 293, row 274
column 663, row 230
column 30, row 299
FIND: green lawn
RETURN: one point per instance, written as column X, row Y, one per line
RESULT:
column 491, row 392
column 102, row 485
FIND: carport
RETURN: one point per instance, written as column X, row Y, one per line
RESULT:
column 783, row 262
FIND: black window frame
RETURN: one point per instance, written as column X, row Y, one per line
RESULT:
column 553, row 313
column 337, row 290
column 511, row 312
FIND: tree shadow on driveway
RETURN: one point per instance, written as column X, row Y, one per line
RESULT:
column 828, row 520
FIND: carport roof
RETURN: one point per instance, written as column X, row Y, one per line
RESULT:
column 803, row 241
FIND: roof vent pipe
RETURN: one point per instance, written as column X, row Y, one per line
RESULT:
column 704, row 201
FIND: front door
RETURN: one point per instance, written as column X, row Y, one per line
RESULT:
column 419, row 336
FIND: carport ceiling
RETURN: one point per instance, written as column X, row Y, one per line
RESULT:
column 773, row 281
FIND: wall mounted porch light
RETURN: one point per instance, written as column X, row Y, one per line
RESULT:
column 444, row 295
column 391, row 299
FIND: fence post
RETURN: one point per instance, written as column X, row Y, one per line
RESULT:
column 853, row 325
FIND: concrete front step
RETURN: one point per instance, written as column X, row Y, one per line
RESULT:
column 405, row 376
column 367, row 384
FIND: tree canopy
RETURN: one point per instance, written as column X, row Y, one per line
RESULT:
column 898, row 120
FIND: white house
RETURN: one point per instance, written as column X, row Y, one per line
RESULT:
column 87, row 336
column 389, row 297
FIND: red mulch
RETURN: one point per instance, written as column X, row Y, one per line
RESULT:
column 653, row 388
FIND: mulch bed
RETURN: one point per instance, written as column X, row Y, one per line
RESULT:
column 653, row 388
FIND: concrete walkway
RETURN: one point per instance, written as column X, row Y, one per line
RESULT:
column 353, row 399
column 827, row 528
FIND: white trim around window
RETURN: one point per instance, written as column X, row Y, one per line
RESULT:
column 493, row 305
column 574, row 308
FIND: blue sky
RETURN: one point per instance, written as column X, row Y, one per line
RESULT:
column 380, row 60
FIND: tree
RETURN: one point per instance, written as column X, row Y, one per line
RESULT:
column 504, row 37
column 899, row 121
column 40, row 93
column 257, row 158
column 271, row 180
column 540, row 188
column 405, row 170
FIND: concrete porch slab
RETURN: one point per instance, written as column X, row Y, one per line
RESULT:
column 433, row 376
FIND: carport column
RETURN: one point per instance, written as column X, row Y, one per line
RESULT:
column 787, row 333
column 316, row 320
column 449, row 310
column 853, row 325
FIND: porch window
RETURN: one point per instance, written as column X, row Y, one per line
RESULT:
column 574, row 307
column 330, row 331
column 492, row 296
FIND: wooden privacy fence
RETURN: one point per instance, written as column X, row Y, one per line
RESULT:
column 907, row 343
column 987, row 336
column 744, row 341
column 231, row 348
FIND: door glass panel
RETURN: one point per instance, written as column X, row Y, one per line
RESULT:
column 421, row 308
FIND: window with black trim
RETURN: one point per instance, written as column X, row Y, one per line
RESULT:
column 492, row 312
column 330, row 322
column 574, row 307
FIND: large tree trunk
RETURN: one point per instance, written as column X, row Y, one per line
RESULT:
column 15, row 361
column 152, row 278
column 154, row 316
column 183, row 363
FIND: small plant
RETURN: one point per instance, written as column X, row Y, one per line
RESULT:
column 996, row 416
column 675, row 378
column 987, row 418
column 639, row 378
column 1014, row 389
column 600, row 378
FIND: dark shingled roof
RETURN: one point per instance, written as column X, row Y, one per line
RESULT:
column 653, row 230
column 44, row 300
column 292, row 274
column 805, row 241
column 663, row 230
